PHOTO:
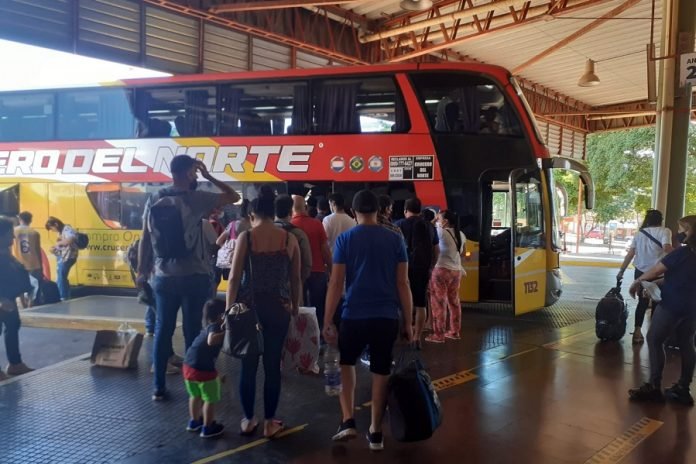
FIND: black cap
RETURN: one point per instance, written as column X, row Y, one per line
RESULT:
column 365, row 202
column 181, row 164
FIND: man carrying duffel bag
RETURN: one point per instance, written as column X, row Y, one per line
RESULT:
column 372, row 262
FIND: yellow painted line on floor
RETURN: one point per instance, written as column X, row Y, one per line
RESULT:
column 248, row 446
column 566, row 279
column 583, row 263
column 622, row 446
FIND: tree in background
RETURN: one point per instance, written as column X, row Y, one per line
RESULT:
column 621, row 164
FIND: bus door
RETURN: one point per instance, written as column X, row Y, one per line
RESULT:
column 528, row 241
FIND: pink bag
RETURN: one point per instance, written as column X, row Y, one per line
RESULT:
column 301, row 349
column 226, row 252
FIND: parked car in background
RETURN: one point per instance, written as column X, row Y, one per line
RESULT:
column 595, row 233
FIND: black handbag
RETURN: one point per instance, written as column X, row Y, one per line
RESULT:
column 243, row 331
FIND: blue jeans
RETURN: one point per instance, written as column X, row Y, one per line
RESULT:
column 275, row 322
column 10, row 321
column 63, row 270
column 150, row 319
column 171, row 293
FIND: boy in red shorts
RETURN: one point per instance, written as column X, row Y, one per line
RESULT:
column 201, row 377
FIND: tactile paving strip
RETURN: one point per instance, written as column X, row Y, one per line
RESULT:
column 620, row 447
column 562, row 314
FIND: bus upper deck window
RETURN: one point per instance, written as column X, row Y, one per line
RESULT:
column 176, row 112
column 466, row 104
column 27, row 116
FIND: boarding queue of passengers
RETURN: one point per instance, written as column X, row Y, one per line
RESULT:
column 369, row 278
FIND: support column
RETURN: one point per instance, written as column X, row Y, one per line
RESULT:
column 660, row 101
column 663, row 145
column 686, row 14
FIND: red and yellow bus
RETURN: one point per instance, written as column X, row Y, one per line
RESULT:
column 458, row 136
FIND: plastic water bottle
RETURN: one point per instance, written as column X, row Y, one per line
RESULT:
column 332, row 372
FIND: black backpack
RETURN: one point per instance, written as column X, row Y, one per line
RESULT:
column 81, row 240
column 611, row 315
column 169, row 236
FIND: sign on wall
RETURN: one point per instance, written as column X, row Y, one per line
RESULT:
column 687, row 73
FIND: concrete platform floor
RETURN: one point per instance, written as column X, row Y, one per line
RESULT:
column 533, row 390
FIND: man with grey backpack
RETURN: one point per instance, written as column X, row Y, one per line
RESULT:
column 649, row 246
column 173, row 251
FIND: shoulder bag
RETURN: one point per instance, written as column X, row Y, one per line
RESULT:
column 243, row 331
column 652, row 239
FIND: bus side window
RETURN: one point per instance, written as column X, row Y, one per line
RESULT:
column 359, row 105
column 95, row 114
column 176, row 112
column 27, row 116
column 273, row 108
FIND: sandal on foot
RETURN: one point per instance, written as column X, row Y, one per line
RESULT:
column 248, row 427
column 278, row 431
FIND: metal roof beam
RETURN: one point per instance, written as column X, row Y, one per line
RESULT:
column 395, row 48
column 273, row 5
column 576, row 35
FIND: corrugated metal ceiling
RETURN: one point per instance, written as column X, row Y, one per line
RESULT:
column 618, row 46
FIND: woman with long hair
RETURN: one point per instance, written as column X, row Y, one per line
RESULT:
column 649, row 246
column 265, row 276
column 675, row 313
column 445, row 279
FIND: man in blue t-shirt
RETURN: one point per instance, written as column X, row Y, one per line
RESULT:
column 372, row 262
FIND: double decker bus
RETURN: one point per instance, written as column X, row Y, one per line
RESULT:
column 458, row 136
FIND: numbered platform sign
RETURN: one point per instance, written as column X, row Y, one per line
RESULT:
column 687, row 74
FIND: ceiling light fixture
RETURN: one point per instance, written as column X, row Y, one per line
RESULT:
column 589, row 79
column 416, row 5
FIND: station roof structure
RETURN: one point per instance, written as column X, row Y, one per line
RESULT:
column 547, row 44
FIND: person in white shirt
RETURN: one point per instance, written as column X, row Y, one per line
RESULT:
column 338, row 221
column 650, row 245
column 445, row 279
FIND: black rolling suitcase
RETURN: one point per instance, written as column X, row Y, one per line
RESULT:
column 413, row 405
column 611, row 315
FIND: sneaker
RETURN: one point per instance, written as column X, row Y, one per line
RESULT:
column 160, row 395
column 376, row 441
column 18, row 369
column 365, row 358
column 212, row 430
column 679, row 394
column 638, row 336
column 452, row 336
column 646, row 392
column 434, row 339
column 652, row 290
column 176, row 360
column 194, row 425
column 171, row 369
column 346, row 431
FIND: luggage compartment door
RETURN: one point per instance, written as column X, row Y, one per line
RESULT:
column 528, row 241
